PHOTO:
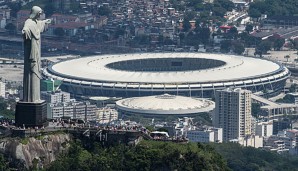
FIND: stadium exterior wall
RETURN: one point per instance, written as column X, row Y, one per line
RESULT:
column 269, row 88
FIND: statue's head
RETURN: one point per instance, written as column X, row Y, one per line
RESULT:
column 35, row 12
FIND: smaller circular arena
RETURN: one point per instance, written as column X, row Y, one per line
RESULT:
column 164, row 105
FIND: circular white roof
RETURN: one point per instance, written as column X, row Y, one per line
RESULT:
column 95, row 69
column 165, row 104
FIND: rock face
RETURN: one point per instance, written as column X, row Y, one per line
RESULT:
column 39, row 151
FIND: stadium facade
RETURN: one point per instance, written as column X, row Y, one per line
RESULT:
column 187, row 74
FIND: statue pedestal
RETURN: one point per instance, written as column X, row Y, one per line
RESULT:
column 31, row 114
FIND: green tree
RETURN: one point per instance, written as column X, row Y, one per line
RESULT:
column 249, row 40
column 190, row 15
column 49, row 9
column 278, row 43
column 15, row 7
column 219, row 11
column 274, row 7
column 287, row 57
column 264, row 47
column 233, row 32
column 4, row 164
column 238, row 47
column 192, row 3
column 11, row 28
column 104, row 10
column 225, row 46
column 204, row 35
column 288, row 98
column 186, row 25
column 119, row 32
column 255, row 109
column 226, row 4
column 254, row 13
column 59, row 32
column 249, row 28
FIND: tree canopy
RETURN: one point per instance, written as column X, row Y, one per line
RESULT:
column 249, row 158
column 148, row 155
column 273, row 7
column 59, row 32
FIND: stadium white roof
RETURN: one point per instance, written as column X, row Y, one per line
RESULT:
column 165, row 104
column 94, row 69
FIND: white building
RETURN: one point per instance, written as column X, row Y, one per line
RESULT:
column 55, row 97
column 2, row 89
column 233, row 113
column 106, row 115
column 284, row 141
column 73, row 110
column 205, row 135
column 251, row 141
column 4, row 16
column 264, row 129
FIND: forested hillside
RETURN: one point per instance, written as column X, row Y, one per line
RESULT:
column 273, row 7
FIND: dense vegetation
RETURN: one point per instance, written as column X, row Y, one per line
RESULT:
column 148, row 155
column 241, row 158
column 273, row 7
column 156, row 155
column 287, row 99
column 153, row 155
column 4, row 112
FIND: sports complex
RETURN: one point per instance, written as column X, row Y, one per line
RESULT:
column 186, row 74
column 164, row 105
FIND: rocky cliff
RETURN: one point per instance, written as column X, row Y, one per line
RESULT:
column 38, row 152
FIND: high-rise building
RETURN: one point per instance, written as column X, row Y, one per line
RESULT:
column 2, row 89
column 233, row 113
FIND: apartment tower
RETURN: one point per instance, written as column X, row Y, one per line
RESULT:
column 233, row 113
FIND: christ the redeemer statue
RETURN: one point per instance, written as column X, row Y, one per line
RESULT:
column 32, row 49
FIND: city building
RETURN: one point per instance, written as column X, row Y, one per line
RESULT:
column 49, row 85
column 284, row 141
column 264, row 129
column 61, row 105
column 2, row 89
column 233, row 113
column 251, row 141
column 288, row 136
column 106, row 115
column 55, row 96
column 280, row 125
column 206, row 135
column 4, row 17
column 73, row 110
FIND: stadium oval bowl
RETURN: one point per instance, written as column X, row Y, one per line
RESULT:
column 187, row 74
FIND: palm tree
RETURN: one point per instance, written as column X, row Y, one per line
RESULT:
column 287, row 57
